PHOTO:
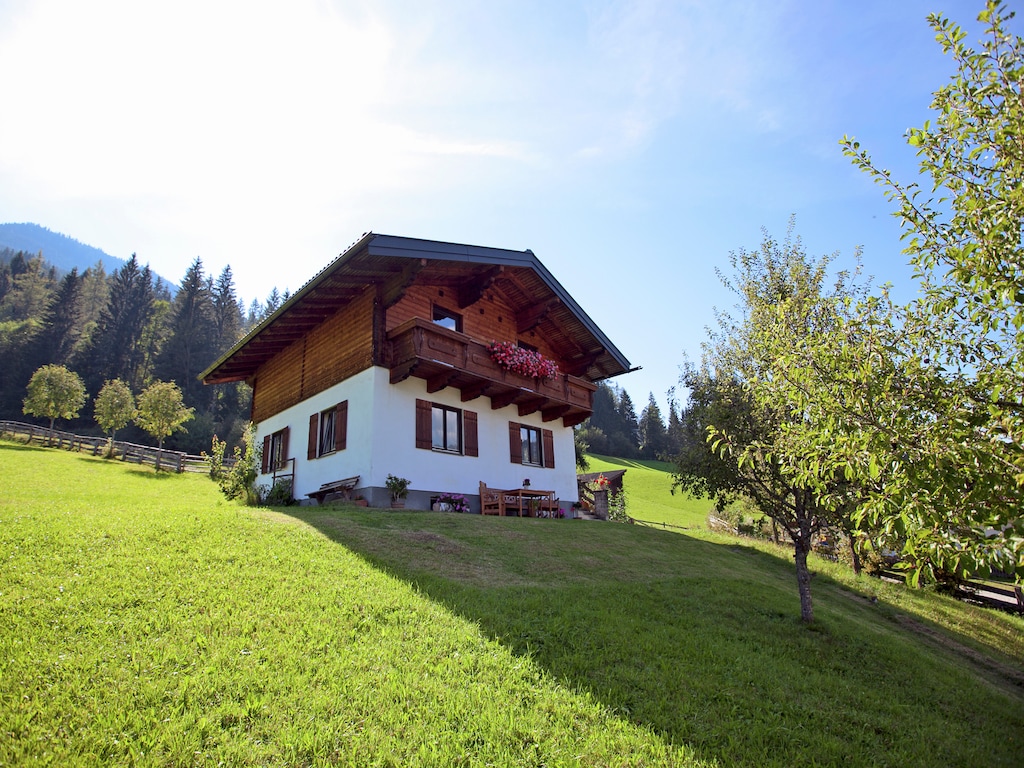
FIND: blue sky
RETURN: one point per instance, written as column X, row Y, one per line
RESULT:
column 630, row 145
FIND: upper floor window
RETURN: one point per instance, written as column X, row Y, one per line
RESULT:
column 447, row 319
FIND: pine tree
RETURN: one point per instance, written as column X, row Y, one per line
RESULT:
column 228, row 315
column 117, row 351
column 61, row 323
column 191, row 343
column 629, row 433
column 653, row 436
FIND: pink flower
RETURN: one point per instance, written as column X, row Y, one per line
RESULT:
column 525, row 362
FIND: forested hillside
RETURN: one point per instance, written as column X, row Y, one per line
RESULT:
column 124, row 325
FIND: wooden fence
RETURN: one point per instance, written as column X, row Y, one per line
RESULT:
column 175, row 461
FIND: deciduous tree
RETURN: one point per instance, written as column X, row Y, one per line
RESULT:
column 735, row 426
column 114, row 407
column 54, row 392
column 162, row 411
column 929, row 417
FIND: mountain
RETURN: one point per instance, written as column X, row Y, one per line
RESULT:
column 61, row 251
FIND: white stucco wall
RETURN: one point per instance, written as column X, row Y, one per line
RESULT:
column 381, row 441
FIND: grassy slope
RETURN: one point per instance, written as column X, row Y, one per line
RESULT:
column 649, row 496
column 145, row 619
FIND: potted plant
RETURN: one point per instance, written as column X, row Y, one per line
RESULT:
column 359, row 501
column 398, row 487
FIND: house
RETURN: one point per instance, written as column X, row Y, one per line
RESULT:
column 384, row 363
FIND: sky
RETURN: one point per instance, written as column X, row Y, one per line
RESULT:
column 630, row 145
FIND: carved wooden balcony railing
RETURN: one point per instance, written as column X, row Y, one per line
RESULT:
column 445, row 358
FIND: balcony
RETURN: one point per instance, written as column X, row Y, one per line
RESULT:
column 444, row 358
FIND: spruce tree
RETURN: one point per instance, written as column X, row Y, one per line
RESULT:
column 116, row 351
column 191, row 342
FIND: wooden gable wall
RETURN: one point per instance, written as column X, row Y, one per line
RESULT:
column 489, row 319
column 340, row 347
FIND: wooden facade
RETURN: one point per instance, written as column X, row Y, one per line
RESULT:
column 339, row 347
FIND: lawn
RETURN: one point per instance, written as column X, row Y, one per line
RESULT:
column 145, row 620
column 648, row 486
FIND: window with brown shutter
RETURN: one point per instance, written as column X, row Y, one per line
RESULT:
column 341, row 426
column 314, row 433
column 549, row 448
column 423, row 424
column 515, row 443
column 471, row 443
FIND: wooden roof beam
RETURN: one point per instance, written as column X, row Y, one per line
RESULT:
column 528, row 318
column 394, row 288
column 580, row 365
column 473, row 291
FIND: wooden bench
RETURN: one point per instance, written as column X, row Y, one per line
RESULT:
column 339, row 489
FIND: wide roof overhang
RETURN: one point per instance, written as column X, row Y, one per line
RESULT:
column 394, row 264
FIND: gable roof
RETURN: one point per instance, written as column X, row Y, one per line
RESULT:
column 395, row 263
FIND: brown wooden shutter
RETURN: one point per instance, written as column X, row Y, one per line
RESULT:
column 549, row 448
column 341, row 426
column 284, row 446
column 515, row 443
column 423, row 423
column 314, row 429
column 265, row 462
column 470, row 442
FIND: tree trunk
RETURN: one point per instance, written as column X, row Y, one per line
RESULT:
column 855, row 555
column 803, row 583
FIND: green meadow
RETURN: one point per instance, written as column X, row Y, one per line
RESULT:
column 144, row 620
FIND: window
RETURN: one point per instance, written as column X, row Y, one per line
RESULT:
column 531, row 445
column 275, row 451
column 446, row 429
column 531, row 452
column 447, row 319
column 326, row 442
column 328, row 431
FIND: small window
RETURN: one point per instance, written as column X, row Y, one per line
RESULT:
column 278, row 449
column 328, row 431
column 531, row 445
column 446, row 429
column 325, row 444
column 523, row 345
column 448, row 319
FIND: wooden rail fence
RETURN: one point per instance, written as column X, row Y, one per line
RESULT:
column 176, row 461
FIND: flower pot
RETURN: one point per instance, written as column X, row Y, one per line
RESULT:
column 398, row 504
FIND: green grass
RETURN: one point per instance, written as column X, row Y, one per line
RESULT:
column 144, row 620
column 648, row 486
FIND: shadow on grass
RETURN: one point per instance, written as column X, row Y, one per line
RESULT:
column 698, row 641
